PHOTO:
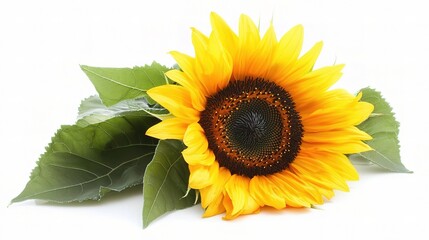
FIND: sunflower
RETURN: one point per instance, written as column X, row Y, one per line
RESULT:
column 262, row 128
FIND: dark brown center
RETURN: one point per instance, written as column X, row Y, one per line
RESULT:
column 252, row 127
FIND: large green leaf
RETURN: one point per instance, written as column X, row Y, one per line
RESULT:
column 165, row 184
column 92, row 110
column 117, row 84
column 384, row 129
column 85, row 162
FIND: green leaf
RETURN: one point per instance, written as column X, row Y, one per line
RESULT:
column 117, row 84
column 156, row 110
column 384, row 129
column 85, row 162
column 165, row 184
column 92, row 110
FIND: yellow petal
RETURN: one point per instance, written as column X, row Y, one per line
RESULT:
column 210, row 193
column 199, row 40
column 202, row 176
column 348, row 147
column 313, row 83
column 215, row 207
column 289, row 47
column 248, row 32
column 224, row 33
column 339, row 114
column 249, row 207
column 237, row 189
column 205, row 64
column 172, row 128
column 365, row 109
column 265, row 192
column 306, row 62
column 296, row 192
column 221, row 75
column 197, row 151
column 198, row 98
column 189, row 78
column 185, row 62
column 325, row 100
column 237, row 200
column 259, row 63
column 206, row 158
column 287, row 192
column 194, row 135
column 326, row 176
column 330, row 161
column 181, row 78
column 227, row 203
column 248, row 39
column 336, row 136
column 213, row 66
column 177, row 100
column 327, row 180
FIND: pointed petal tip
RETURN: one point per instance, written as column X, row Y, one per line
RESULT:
column 299, row 28
column 153, row 132
column 172, row 128
column 159, row 91
column 340, row 66
column 319, row 45
column 151, row 92
column 216, row 19
column 244, row 16
column 214, row 15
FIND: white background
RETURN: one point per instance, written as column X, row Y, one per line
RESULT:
column 383, row 43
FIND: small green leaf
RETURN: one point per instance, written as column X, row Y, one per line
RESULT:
column 165, row 184
column 92, row 110
column 85, row 162
column 117, row 84
column 384, row 129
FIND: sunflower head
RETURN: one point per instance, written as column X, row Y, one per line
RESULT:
column 261, row 126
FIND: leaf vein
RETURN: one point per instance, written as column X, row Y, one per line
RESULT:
column 91, row 180
column 162, row 184
column 85, row 158
column 113, row 81
column 73, row 168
